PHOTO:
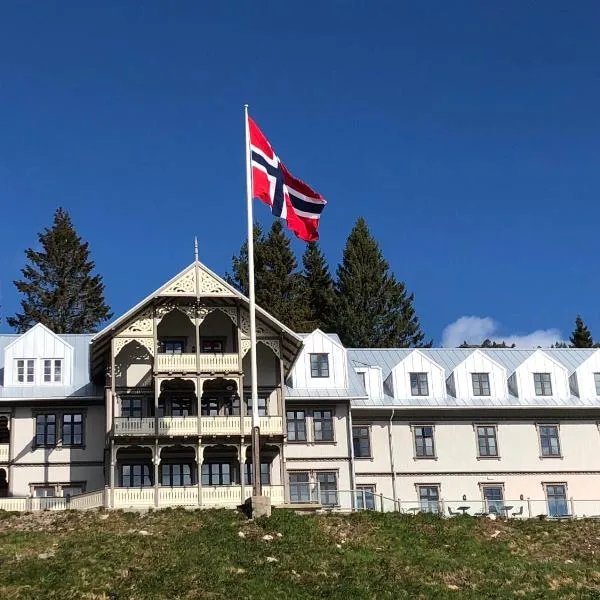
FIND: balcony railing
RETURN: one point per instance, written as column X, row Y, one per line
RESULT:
column 208, row 363
column 4, row 452
column 174, row 426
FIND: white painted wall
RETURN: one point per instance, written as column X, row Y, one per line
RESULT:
column 478, row 362
column 38, row 343
column 373, row 381
column 318, row 342
column 585, row 376
column 540, row 362
column 417, row 362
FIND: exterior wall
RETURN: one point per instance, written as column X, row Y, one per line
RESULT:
column 32, row 465
column 585, row 376
column 373, row 381
column 417, row 362
column 540, row 362
column 38, row 343
column 478, row 362
column 267, row 367
column 318, row 342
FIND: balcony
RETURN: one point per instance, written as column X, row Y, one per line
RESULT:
column 181, row 426
column 208, row 363
column 4, row 452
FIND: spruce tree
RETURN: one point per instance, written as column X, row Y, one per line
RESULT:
column 319, row 295
column 581, row 336
column 58, row 286
column 373, row 308
column 238, row 277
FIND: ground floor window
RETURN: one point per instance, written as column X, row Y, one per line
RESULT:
column 299, row 487
column 43, row 491
column 68, row 491
column 176, row 475
column 328, row 488
column 365, row 497
column 217, row 474
column 429, row 498
column 135, row 475
column 265, row 473
column 556, row 496
column 494, row 498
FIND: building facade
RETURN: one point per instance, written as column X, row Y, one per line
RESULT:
column 154, row 411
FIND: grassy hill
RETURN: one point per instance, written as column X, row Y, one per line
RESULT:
column 175, row 554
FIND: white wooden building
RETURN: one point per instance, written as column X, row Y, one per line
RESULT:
column 153, row 411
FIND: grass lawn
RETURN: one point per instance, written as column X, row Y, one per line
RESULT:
column 178, row 554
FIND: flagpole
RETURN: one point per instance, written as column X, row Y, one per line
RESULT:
column 256, row 487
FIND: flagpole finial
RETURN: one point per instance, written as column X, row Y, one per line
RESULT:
column 196, row 248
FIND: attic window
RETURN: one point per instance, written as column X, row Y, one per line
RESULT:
column 52, row 370
column 25, row 370
column 319, row 365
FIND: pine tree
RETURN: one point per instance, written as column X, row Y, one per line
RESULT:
column 373, row 309
column 581, row 336
column 319, row 295
column 58, row 286
column 278, row 284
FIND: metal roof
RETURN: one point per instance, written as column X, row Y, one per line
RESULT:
column 81, row 386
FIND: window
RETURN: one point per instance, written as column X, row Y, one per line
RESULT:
column 319, row 365
column 556, row 496
column 265, row 473
column 361, row 442
column 327, row 483
column 296, row 425
column 429, row 498
column 216, row 474
column 44, row 491
column 486, row 440
column 543, row 384
column 52, row 370
column 549, row 441
column 418, row 384
column 210, row 407
column 45, row 430
column 262, row 407
column 481, row 384
column 323, row 425
column 365, row 497
column 211, row 345
column 181, row 407
column 72, row 430
column 131, row 408
column 424, row 447
column 362, row 376
column 135, row 475
column 172, row 346
column 26, row 370
column 68, row 491
column 597, row 382
column 299, row 487
column 494, row 499
column 176, row 475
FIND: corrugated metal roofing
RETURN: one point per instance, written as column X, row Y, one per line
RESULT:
column 81, row 386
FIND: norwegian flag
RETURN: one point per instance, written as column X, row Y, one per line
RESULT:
column 288, row 197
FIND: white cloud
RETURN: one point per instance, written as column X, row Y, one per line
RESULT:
column 474, row 330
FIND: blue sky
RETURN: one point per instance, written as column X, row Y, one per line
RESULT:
column 466, row 133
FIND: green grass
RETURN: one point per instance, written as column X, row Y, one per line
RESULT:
column 200, row 554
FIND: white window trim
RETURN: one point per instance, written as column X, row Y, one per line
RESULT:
column 16, row 371
column 52, row 371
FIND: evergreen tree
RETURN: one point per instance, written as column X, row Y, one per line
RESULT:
column 58, row 286
column 373, row 309
column 487, row 343
column 581, row 336
column 279, row 286
column 319, row 295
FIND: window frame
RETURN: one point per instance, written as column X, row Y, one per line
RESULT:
column 542, row 386
column 370, row 490
column 171, row 476
column 131, row 465
column 368, row 438
column 416, row 455
column 486, row 501
column 172, row 340
column 131, row 399
column 494, row 426
column 219, row 475
column 265, row 473
column 539, row 427
column 477, row 375
column 213, row 339
column 327, row 492
column 26, row 363
column 294, row 420
column 73, row 424
column 420, row 499
column 45, row 443
column 322, row 420
column 565, row 487
column 294, row 486
column 597, row 383
column 417, row 375
column 54, row 362
column 318, row 368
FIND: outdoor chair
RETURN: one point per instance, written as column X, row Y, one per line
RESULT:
column 518, row 513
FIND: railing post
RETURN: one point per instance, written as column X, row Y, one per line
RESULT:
column 381, row 502
column 572, row 503
column 529, row 507
column 443, row 504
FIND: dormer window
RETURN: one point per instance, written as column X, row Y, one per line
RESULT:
column 543, row 384
column 419, row 385
column 481, row 384
column 597, row 383
column 25, row 370
column 53, row 370
column 319, row 365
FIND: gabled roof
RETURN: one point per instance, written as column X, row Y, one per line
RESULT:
column 572, row 358
column 196, row 280
column 31, row 331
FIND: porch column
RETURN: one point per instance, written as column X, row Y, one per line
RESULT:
column 156, row 461
column 242, row 460
column 113, row 466
column 199, row 461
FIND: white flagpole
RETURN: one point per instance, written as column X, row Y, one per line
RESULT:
column 256, row 487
